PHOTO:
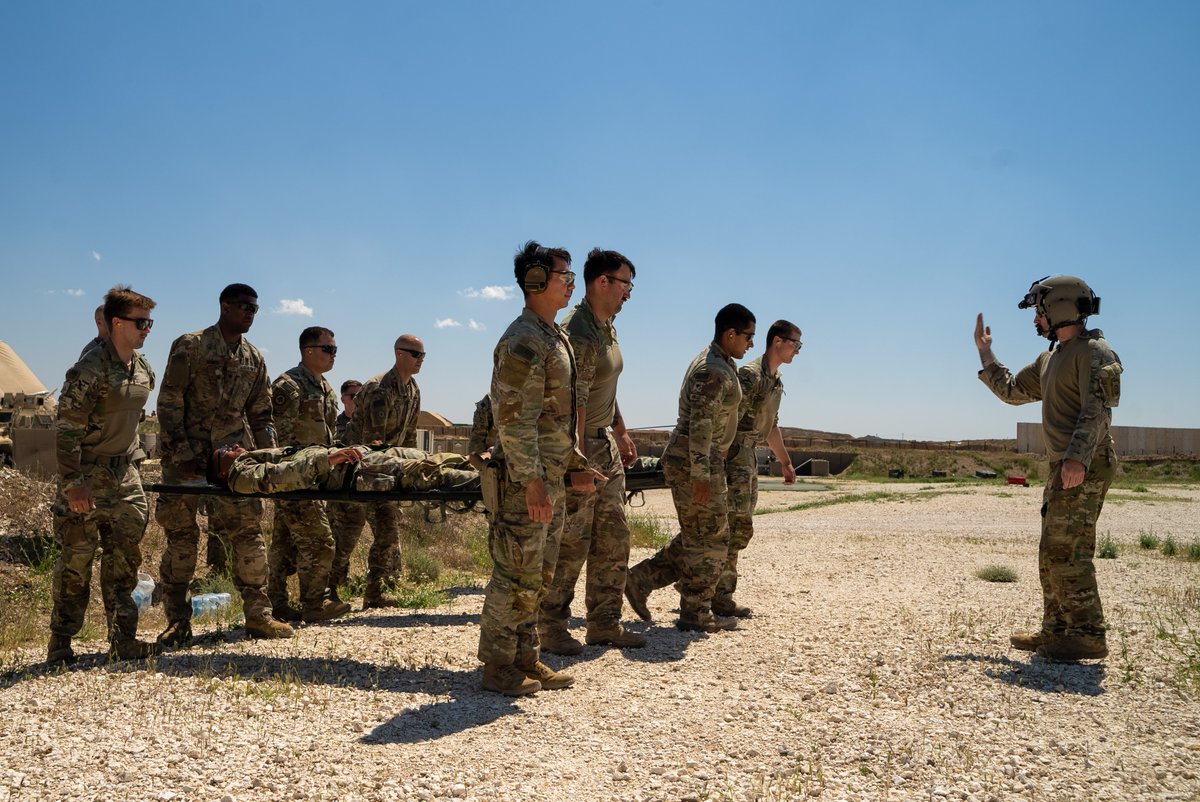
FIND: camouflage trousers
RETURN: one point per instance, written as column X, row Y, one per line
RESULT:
column 301, row 544
column 695, row 558
column 346, row 519
column 116, row 526
column 524, row 554
column 238, row 519
column 741, row 475
column 595, row 532
column 1070, row 597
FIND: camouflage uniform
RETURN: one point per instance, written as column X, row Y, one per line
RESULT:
column 758, row 414
column 595, row 529
column 212, row 395
column 386, row 412
column 533, row 401
column 340, row 425
column 92, row 343
column 301, row 541
column 1078, row 383
column 483, row 428
column 695, row 558
column 279, row 470
column 99, row 409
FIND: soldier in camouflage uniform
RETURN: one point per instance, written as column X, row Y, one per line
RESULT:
column 534, row 404
column 100, row 500
column 758, row 422
column 214, row 392
column 595, row 529
column 350, row 390
column 280, row 470
column 1078, row 382
column 483, row 434
column 101, row 332
column 386, row 413
column 305, row 414
column 694, row 466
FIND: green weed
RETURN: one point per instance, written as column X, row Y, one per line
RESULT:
column 648, row 531
column 1193, row 551
column 1148, row 540
column 1169, row 547
column 1106, row 549
column 996, row 573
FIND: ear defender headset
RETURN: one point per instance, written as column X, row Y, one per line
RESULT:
column 537, row 274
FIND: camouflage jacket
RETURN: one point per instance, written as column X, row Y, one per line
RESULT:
column 758, row 413
column 305, row 408
column 212, row 395
column 533, row 400
column 1078, row 383
column 598, row 364
column 386, row 412
column 483, row 428
column 99, row 409
column 92, row 343
column 340, row 425
column 708, row 406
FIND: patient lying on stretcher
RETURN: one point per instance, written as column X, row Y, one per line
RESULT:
column 279, row 470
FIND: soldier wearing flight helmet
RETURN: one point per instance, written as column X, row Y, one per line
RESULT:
column 1078, row 381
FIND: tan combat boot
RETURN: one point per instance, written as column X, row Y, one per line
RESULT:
column 1071, row 648
column 614, row 635
column 706, row 622
column 285, row 612
column 59, row 651
column 549, row 679
column 509, row 681
column 1027, row 641
column 556, row 640
column 637, row 594
column 268, row 629
column 132, row 649
column 327, row 611
column 177, row 633
column 374, row 597
column 728, row 607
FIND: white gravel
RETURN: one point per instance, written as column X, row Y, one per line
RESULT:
column 877, row 668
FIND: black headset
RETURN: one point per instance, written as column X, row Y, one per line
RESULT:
column 537, row 274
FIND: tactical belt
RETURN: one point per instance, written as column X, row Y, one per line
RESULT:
column 112, row 463
column 597, row 434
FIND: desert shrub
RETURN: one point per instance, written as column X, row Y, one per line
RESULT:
column 996, row 573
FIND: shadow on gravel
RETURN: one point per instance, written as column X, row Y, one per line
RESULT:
column 411, row 619
column 1040, row 675
column 472, row 707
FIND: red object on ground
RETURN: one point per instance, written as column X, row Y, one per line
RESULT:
column 1018, row 480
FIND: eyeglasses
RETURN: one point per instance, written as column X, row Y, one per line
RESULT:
column 415, row 354
column 749, row 335
column 142, row 323
column 568, row 275
column 628, row 284
column 795, row 342
column 245, row 306
column 329, row 349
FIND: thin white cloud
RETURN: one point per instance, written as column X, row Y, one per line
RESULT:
column 75, row 293
column 96, row 256
column 293, row 306
column 492, row 292
column 475, row 325
column 446, row 323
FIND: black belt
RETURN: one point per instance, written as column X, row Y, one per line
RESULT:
column 598, row 434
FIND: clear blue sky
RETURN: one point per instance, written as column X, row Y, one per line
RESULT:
column 875, row 172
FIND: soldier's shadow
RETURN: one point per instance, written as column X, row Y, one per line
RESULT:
column 460, row 704
column 664, row 644
column 403, row 620
column 1083, row 679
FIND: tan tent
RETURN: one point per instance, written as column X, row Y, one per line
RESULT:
column 15, row 375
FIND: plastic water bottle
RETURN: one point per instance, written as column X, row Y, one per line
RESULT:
column 143, row 592
column 209, row 603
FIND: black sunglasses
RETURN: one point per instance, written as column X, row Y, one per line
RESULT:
column 245, row 306
column 142, row 323
column 413, row 352
column 329, row 349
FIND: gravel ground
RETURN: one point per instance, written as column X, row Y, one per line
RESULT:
column 877, row 667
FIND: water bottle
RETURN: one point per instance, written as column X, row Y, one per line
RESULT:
column 143, row 592
column 208, row 603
